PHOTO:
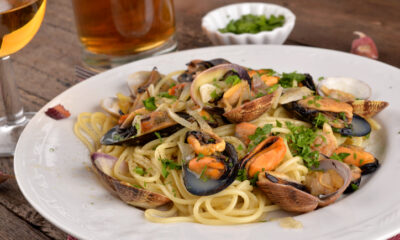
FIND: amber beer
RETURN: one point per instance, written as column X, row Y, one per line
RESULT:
column 124, row 27
column 19, row 22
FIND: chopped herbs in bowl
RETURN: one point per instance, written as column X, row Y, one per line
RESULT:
column 248, row 23
column 253, row 24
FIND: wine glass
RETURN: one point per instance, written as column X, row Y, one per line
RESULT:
column 19, row 22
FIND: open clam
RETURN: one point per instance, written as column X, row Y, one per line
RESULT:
column 344, row 89
column 324, row 185
column 227, row 87
column 209, row 173
column 103, row 165
column 153, row 125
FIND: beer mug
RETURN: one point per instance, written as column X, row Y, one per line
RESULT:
column 114, row 32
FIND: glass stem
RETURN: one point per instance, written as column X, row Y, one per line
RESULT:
column 12, row 104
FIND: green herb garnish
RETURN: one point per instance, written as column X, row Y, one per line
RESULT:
column 240, row 147
column 272, row 88
column 150, row 104
column 232, row 80
column 168, row 164
column 340, row 156
column 242, row 175
column 259, row 135
column 140, row 171
column 214, row 94
column 203, row 177
column 253, row 24
column 254, row 179
column 158, row 135
column 278, row 124
column 287, row 79
column 354, row 187
column 166, row 95
column 300, row 140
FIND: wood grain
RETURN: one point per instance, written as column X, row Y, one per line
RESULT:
column 45, row 68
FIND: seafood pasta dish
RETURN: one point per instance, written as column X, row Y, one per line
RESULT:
column 219, row 143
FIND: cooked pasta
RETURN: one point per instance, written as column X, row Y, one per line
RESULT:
column 143, row 166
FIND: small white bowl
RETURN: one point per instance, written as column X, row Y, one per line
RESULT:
column 220, row 17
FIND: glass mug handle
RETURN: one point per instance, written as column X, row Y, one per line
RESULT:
column 132, row 18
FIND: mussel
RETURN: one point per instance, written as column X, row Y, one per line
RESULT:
column 355, row 179
column 103, row 165
column 197, row 66
column 228, row 87
column 357, row 156
column 214, row 168
column 338, row 114
column 266, row 156
column 153, row 125
column 323, row 186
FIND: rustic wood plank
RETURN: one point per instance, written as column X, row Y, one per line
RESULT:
column 12, row 227
column 12, row 200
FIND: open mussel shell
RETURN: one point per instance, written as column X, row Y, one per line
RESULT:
column 355, row 179
column 292, row 196
column 359, row 127
column 358, row 89
column 217, row 72
column 197, row 66
column 200, row 187
column 103, row 165
column 127, row 136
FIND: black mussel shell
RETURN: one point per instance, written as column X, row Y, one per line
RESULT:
column 201, row 66
column 369, row 167
column 199, row 187
column 354, row 185
column 126, row 136
column 359, row 127
column 308, row 82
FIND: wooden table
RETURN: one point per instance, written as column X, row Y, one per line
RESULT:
column 45, row 68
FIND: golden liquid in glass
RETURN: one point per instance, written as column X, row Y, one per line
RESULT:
column 123, row 27
column 19, row 22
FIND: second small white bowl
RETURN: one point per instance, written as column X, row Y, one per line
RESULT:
column 220, row 17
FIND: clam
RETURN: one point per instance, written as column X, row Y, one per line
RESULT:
column 367, row 108
column 294, row 94
column 103, row 165
column 153, row 125
column 344, row 89
column 338, row 114
column 323, row 186
column 197, row 66
column 212, row 89
column 358, row 157
column 111, row 106
column 206, row 175
column 266, row 156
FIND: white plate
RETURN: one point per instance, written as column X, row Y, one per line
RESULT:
column 50, row 163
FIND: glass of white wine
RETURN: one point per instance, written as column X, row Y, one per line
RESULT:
column 19, row 22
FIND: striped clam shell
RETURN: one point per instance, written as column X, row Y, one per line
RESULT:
column 367, row 108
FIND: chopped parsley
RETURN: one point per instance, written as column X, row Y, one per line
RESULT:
column 150, row 104
column 200, row 156
column 166, row 95
column 203, row 177
column 136, row 186
column 242, row 175
column 140, row 171
column 260, row 94
column 272, row 88
column 278, row 124
column 368, row 135
column 320, row 78
column 250, row 23
column 158, row 135
column 232, row 80
column 254, row 179
column 259, row 135
column 137, row 126
column 168, row 164
column 361, row 161
column 240, row 147
column 319, row 120
column 287, row 79
column 300, row 140
column 214, row 95
column 340, row 156
column 354, row 187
